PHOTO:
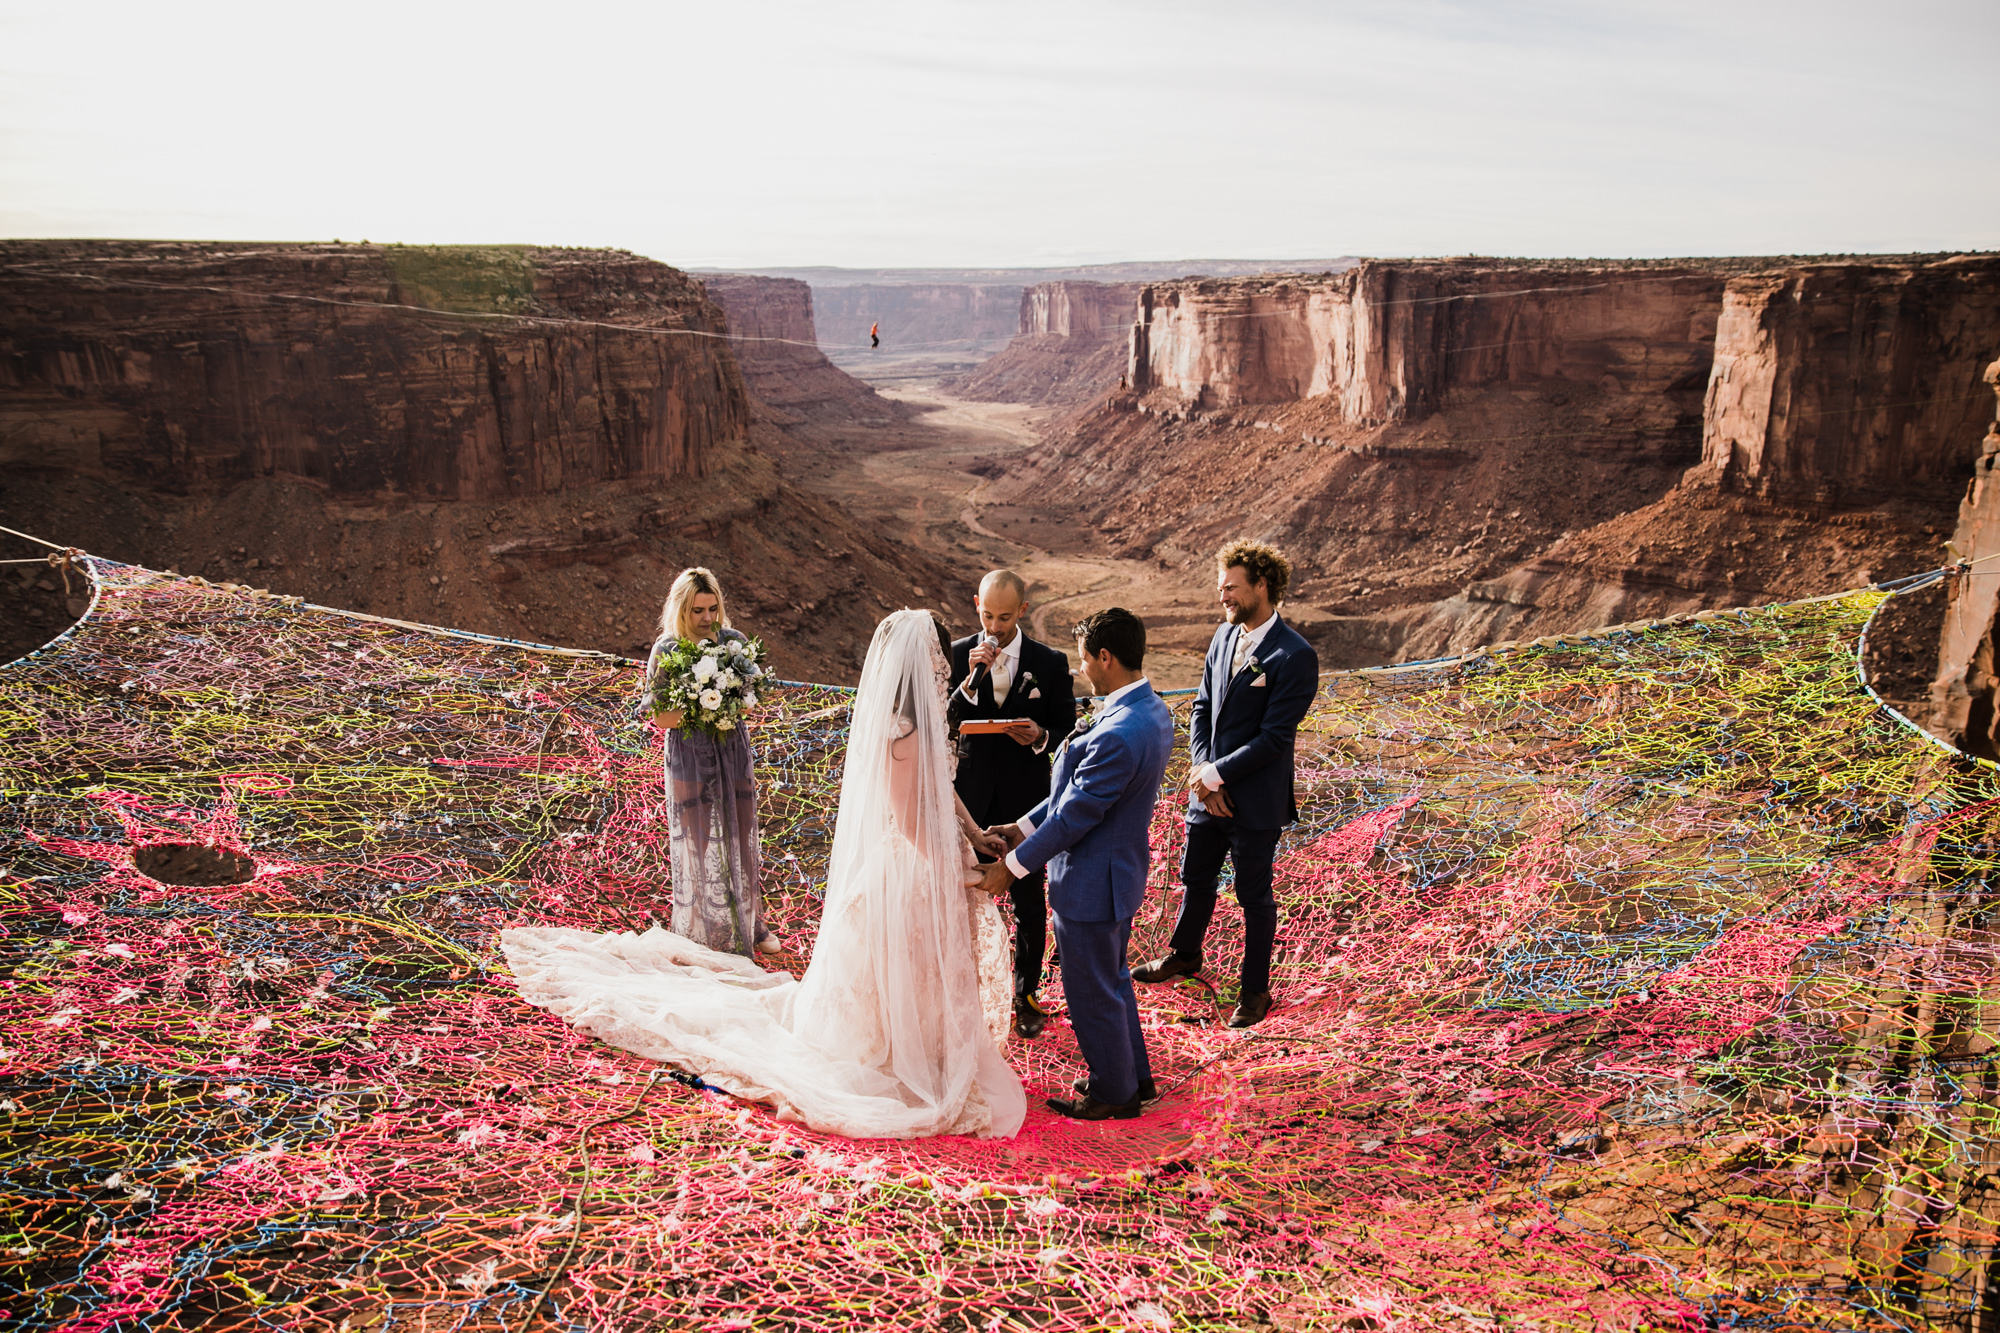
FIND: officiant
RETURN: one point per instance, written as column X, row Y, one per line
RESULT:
column 1011, row 704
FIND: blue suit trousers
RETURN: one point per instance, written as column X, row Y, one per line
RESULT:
column 1103, row 1012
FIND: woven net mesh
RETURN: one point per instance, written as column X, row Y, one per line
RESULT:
column 1641, row 980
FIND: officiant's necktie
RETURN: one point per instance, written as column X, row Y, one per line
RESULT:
column 997, row 673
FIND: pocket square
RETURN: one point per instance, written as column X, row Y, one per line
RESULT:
column 1034, row 694
column 1259, row 682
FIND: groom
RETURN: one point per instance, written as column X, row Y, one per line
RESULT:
column 1091, row 834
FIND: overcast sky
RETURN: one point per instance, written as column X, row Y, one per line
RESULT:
column 1012, row 132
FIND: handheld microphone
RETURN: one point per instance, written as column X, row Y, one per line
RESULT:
column 984, row 668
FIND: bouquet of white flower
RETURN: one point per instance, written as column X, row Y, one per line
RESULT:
column 711, row 685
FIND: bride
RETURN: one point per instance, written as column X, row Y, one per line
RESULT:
column 894, row 1030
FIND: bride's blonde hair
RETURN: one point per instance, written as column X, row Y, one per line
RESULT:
column 696, row 579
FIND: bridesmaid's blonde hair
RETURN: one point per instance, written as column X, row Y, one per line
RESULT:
column 673, row 616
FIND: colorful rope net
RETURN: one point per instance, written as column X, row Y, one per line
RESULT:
column 1639, row 980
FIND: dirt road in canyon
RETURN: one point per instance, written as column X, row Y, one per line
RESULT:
column 928, row 487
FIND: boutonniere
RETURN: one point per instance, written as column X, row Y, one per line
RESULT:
column 1028, row 679
column 1085, row 723
column 1254, row 667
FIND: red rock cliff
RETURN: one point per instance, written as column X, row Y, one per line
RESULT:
column 1461, row 453
column 1388, row 340
column 1095, row 311
column 1849, row 383
column 1965, row 697
column 427, row 372
column 1070, row 348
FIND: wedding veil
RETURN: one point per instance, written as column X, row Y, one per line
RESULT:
column 884, row 1036
column 893, row 984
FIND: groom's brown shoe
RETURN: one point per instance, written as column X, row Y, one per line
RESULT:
column 1250, row 1009
column 1149, row 1092
column 1167, row 968
column 1088, row 1107
column 1029, row 1018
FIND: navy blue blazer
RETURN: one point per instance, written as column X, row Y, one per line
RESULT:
column 1247, row 725
column 1094, row 830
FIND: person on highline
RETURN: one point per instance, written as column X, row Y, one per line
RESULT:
column 1003, row 675
column 1258, row 682
column 1092, row 833
column 711, row 795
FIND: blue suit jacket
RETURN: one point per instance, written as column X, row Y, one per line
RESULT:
column 1093, row 831
column 1247, row 730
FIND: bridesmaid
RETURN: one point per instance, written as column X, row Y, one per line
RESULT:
column 711, row 796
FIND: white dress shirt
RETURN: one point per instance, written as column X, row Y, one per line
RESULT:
column 1255, row 637
column 1097, row 710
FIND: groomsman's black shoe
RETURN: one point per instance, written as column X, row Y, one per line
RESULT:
column 1250, row 1009
column 1149, row 1092
column 1028, row 1016
column 1167, row 968
column 1088, row 1107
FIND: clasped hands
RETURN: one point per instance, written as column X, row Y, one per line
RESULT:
column 999, row 840
column 1216, row 802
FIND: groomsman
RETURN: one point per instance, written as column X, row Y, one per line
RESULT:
column 1258, row 681
column 1000, row 674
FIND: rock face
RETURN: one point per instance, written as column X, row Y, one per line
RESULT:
column 1071, row 347
column 772, row 333
column 438, row 373
column 1459, row 454
column 1965, row 697
column 1388, row 341
column 1092, row 311
column 529, row 443
column 1849, row 383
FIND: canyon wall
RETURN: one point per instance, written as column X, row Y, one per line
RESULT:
column 1965, row 696
column 475, row 373
column 525, row 442
column 1849, row 383
column 1461, row 452
column 1387, row 341
column 1070, row 347
column 1093, row 311
column 775, row 340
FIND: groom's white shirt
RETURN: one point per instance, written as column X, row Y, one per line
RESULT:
column 1098, row 710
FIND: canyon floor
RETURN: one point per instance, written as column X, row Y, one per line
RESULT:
column 926, row 481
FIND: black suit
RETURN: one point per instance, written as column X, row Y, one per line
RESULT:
column 999, row 779
column 1246, row 724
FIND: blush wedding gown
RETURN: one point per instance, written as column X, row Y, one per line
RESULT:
column 895, row 1029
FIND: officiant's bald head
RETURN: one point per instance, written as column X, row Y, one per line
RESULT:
column 1002, row 601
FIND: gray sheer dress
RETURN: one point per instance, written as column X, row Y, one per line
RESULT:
column 712, row 817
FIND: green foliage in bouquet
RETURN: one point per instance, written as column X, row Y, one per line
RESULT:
column 711, row 685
